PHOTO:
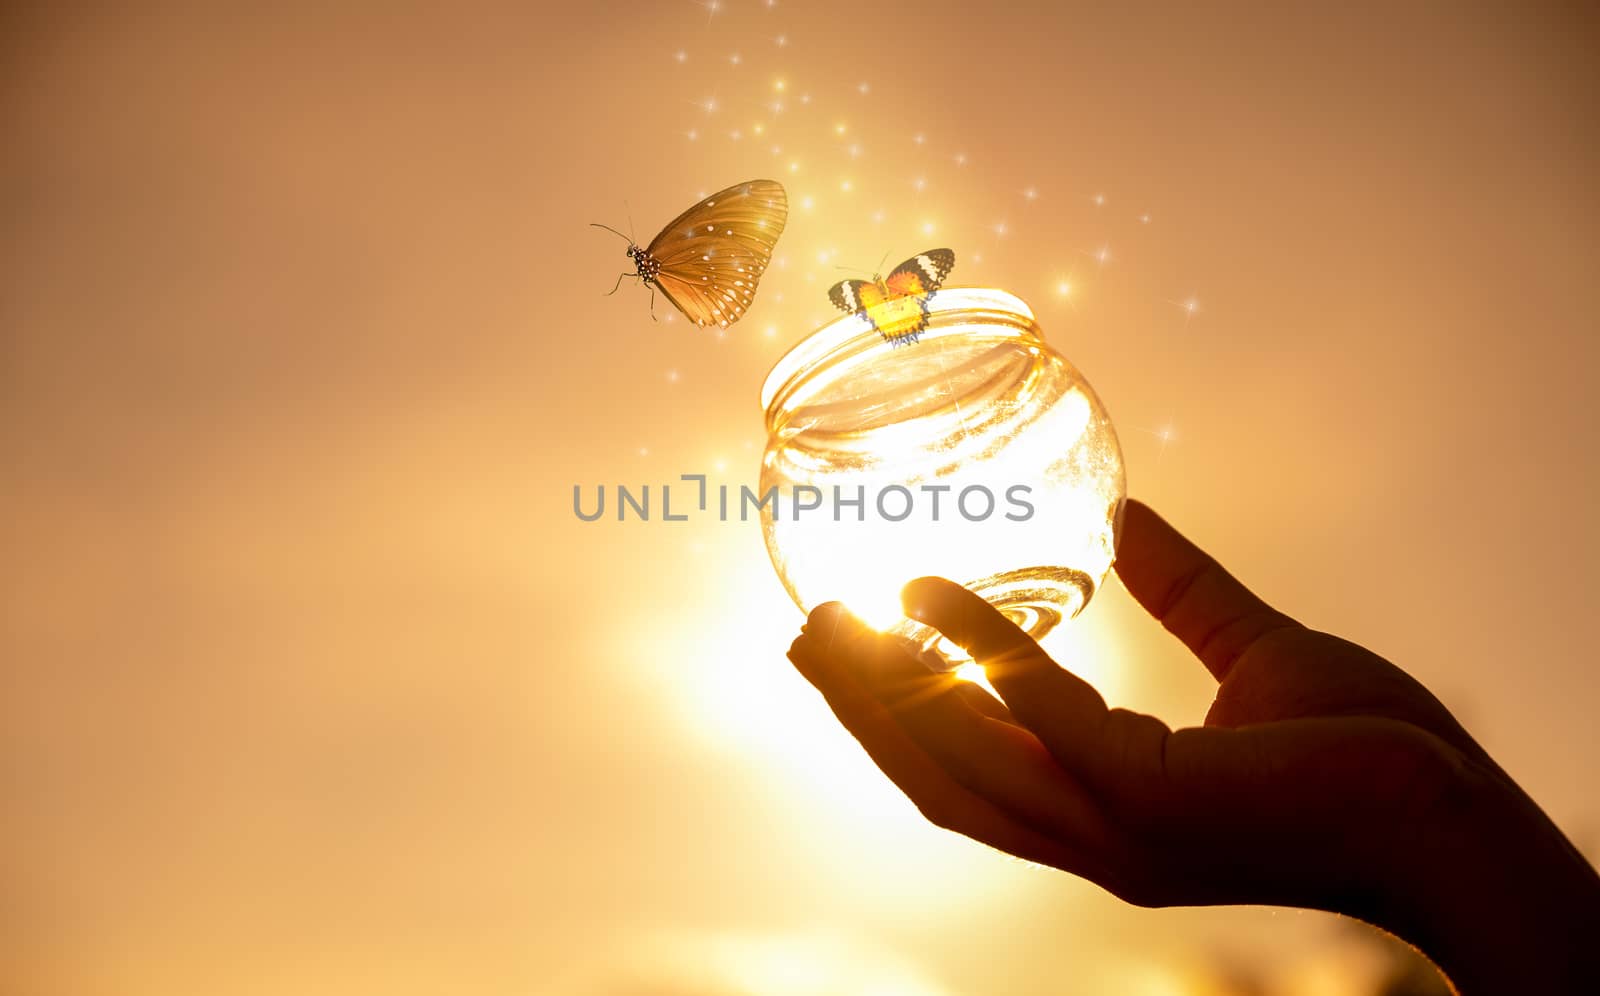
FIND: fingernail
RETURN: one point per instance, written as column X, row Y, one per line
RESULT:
column 911, row 595
column 824, row 613
column 832, row 618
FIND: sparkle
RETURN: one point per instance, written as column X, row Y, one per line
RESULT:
column 1167, row 433
column 709, row 105
column 672, row 376
column 1103, row 254
column 734, row 134
column 961, row 158
column 977, row 257
column 757, row 128
column 772, row 331
column 681, row 56
column 840, row 128
column 1144, row 219
column 919, row 138
column 1031, row 194
column 712, row 7
column 1000, row 229
column 1099, row 200
column 845, row 186
column 776, row 107
column 919, row 184
column 1190, row 306
column 805, row 98
column 771, row 4
column 794, row 166
column 878, row 216
column 778, row 85
column 644, row 451
column 854, row 149
column 862, row 88
column 693, row 134
column 777, row 150
column 808, row 202
column 927, row 228
column 736, row 58
column 781, row 41
column 1063, row 288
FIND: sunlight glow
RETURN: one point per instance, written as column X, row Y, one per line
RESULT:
column 771, row 964
column 734, row 690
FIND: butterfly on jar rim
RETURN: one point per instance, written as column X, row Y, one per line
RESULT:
column 897, row 305
column 708, row 260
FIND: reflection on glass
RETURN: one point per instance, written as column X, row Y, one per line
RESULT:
column 978, row 454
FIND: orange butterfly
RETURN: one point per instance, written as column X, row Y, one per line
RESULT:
column 897, row 305
column 708, row 259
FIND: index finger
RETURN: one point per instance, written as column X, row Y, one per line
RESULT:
column 1061, row 709
column 940, row 798
column 1189, row 593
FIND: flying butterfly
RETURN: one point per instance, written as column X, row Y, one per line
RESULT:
column 708, row 260
column 897, row 305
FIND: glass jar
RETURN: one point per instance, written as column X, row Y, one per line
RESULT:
column 977, row 453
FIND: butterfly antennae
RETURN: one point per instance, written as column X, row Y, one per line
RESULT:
column 882, row 261
column 629, row 210
column 613, row 231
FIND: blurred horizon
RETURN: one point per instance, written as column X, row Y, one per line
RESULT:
column 315, row 683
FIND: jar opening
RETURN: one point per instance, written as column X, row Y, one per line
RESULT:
column 847, row 367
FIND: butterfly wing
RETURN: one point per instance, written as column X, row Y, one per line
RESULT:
column 898, row 316
column 712, row 256
column 922, row 274
column 898, row 307
column 892, row 316
column 846, row 295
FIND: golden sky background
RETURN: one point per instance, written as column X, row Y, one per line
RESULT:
column 315, row 684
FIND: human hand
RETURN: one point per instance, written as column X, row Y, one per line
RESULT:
column 1324, row 777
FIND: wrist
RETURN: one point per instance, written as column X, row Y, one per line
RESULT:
column 1495, row 894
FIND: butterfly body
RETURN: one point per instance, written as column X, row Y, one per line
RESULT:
column 708, row 260
column 647, row 265
column 897, row 305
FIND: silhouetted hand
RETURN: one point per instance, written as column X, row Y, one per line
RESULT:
column 1325, row 777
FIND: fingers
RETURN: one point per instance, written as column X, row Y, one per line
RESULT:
column 981, row 701
column 1061, row 709
column 1189, row 593
column 964, row 771
column 998, row 760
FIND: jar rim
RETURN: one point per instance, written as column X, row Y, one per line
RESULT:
column 949, row 310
